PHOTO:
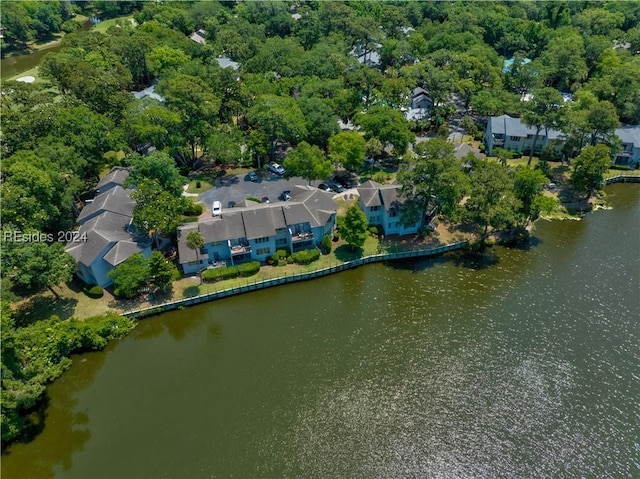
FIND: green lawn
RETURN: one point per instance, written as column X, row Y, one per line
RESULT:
column 103, row 26
column 206, row 183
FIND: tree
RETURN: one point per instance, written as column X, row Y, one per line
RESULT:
column 387, row 125
column 195, row 241
column 197, row 106
column 347, row 149
column 528, row 184
column 353, row 227
column 492, row 202
column 603, row 119
column 130, row 276
column 157, row 211
column 432, row 180
column 563, row 64
column 161, row 272
column 308, row 161
column 320, row 121
column 589, row 168
column 503, row 155
column 34, row 265
column 280, row 118
column 147, row 121
column 542, row 112
column 163, row 58
column 157, row 166
column 223, row 146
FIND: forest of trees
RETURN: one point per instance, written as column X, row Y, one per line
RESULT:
column 297, row 77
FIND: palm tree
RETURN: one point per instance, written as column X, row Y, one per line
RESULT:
column 195, row 241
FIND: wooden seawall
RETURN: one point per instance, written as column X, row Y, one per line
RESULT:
column 179, row 304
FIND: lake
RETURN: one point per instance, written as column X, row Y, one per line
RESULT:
column 524, row 362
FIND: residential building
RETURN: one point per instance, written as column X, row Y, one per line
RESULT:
column 199, row 37
column 106, row 237
column 382, row 205
column 256, row 232
column 630, row 153
column 420, row 105
column 511, row 134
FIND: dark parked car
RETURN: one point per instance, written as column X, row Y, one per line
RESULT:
column 324, row 187
column 345, row 179
column 265, row 199
column 253, row 176
column 285, row 195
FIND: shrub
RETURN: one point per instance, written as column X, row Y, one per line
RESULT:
column 306, row 256
column 198, row 184
column 380, row 177
column 326, row 244
column 280, row 257
column 251, row 198
column 192, row 209
column 94, row 291
column 218, row 274
column 374, row 230
column 249, row 269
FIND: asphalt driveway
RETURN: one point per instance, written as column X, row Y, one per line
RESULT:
column 239, row 188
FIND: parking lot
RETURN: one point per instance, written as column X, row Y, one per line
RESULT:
column 239, row 188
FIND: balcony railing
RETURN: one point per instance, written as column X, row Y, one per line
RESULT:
column 301, row 236
column 238, row 249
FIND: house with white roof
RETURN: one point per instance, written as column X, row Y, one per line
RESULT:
column 382, row 205
column 511, row 134
column 630, row 153
column 255, row 232
column 106, row 237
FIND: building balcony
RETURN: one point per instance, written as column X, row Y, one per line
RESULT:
column 301, row 236
column 239, row 249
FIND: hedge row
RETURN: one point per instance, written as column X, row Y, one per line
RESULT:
column 306, row 256
column 218, row 274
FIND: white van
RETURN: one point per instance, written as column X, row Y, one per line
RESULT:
column 216, row 209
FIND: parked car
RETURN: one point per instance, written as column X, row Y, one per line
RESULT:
column 324, row 187
column 253, row 176
column 285, row 195
column 276, row 168
column 264, row 199
column 345, row 179
column 216, row 209
column 335, row 186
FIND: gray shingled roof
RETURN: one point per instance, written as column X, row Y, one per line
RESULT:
column 509, row 126
column 116, row 176
column 307, row 205
column 263, row 221
column 630, row 134
column 185, row 253
column 116, row 200
column 228, row 226
column 103, row 232
column 375, row 194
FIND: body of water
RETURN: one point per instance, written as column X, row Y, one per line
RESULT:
column 16, row 64
column 523, row 363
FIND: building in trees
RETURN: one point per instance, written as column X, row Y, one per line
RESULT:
column 105, row 237
column 382, row 205
column 511, row 134
column 630, row 152
column 256, row 231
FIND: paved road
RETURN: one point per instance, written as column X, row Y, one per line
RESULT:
column 238, row 188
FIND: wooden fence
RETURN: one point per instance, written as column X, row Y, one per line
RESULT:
column 143, row 312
